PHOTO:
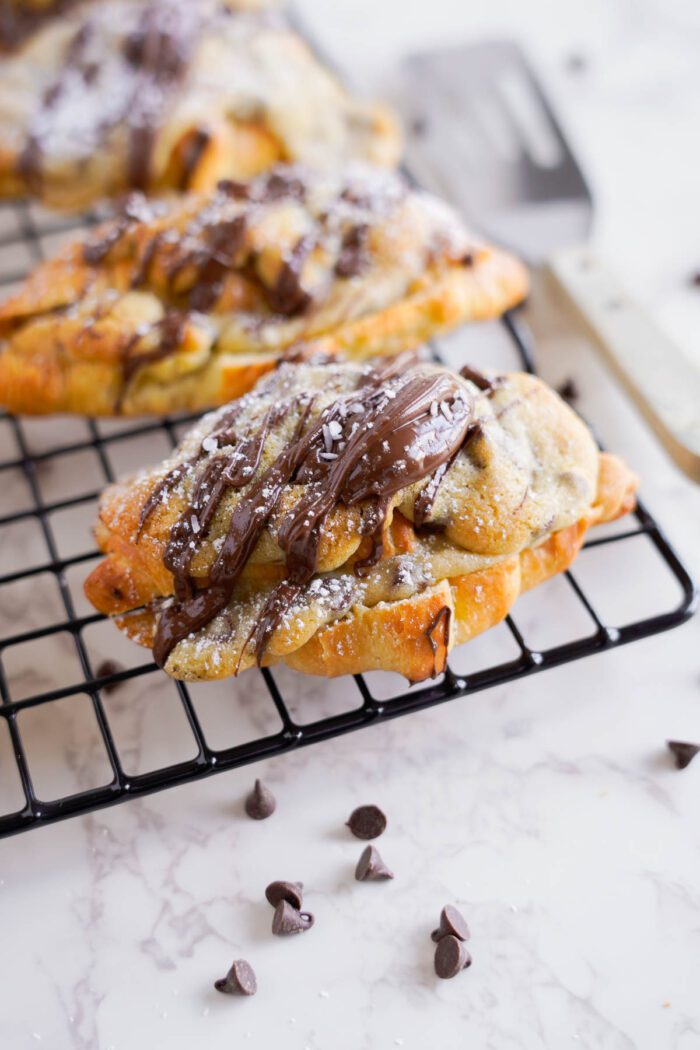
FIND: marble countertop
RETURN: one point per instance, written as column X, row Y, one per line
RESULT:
column 547, row 810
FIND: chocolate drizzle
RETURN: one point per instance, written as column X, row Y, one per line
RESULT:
column 365, row 446
column 172, row 331
column 157, row 52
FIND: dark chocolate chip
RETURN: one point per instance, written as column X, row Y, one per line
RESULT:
column 240, row 980
column 695, row 279
column 451, row 957
column 452, row 923
column 371, row 867
column 106, row 669
column 367, row 822
column 288, row 920
column 260, row 803
column 568, row 390
column 683, row 752
column 418, row 126
column 576, row 63
column 285, row 891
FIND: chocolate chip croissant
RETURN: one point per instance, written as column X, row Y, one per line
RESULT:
column 184, row 304
column 154, row 94
column 351, row 517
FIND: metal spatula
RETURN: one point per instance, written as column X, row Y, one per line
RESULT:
column 485, row 137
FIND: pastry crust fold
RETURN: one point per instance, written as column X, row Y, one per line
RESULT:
column 184, row 304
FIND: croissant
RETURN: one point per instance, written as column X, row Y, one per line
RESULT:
column 154, row 94
column 350, row 517
column 184, row 304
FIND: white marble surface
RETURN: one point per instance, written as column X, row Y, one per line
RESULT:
column 548, row 810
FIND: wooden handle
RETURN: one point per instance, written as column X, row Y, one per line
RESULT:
column 662, row 381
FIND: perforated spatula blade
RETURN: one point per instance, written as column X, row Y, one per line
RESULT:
column 485, row 136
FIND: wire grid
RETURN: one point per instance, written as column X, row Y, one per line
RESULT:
column 27, row 229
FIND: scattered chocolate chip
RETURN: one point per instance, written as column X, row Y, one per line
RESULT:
column 576, row 63
column 240, row 980
column 683, row 752
column 418, row 126
column 285, row 891
column 695, row 279
column 106, row 669
column 288, row 920
column 367, row 822
column 452, row 924
column 451, row 956
column 260, row 803
column 568, row 390
column 468, row 259
column 371, row 867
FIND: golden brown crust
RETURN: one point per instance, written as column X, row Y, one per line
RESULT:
column 78, row 125
column 80, row 335
column 429, row 592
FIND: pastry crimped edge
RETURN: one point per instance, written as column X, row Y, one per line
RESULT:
column 47, row 382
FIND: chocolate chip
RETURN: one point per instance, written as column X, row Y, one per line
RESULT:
column 451, row 957
column 418, row 126
column 371, row 867
column 260, row 803
column 695, row 279
column 452, row 923
column 285, row 891
column 568, row 390
column 576, row 63
column 683, row 752
column 367, row 822
column 240, row 980
column 106, row 669
column 288, row 920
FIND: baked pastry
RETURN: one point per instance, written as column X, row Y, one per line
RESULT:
column 183, row 305
column 154, row 94
column 348, row 517
column 20, row 19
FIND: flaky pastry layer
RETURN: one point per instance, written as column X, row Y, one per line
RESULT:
column 185, row 304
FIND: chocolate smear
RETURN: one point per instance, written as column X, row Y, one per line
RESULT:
column 240, row 980
column 288, row 920
column 367, row 822
column 452, row 924
column 451, row 957
column 568, row 390
column 281, row 890
column 683, row 752
column 371, row 867
column 260, row 803
column 105, row 670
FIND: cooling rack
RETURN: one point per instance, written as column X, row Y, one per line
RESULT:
column 46, row 629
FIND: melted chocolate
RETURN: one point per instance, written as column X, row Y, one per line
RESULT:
column 172, row 331
column 287, row 296
column 366, row 446
column 18, row 24
column 440, row 623
column 223, row 244
column 353, row 259
column 194, row 151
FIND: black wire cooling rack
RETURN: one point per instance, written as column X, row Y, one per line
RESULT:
column 26, row 233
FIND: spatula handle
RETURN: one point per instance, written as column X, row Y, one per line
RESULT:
column 662, row 381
